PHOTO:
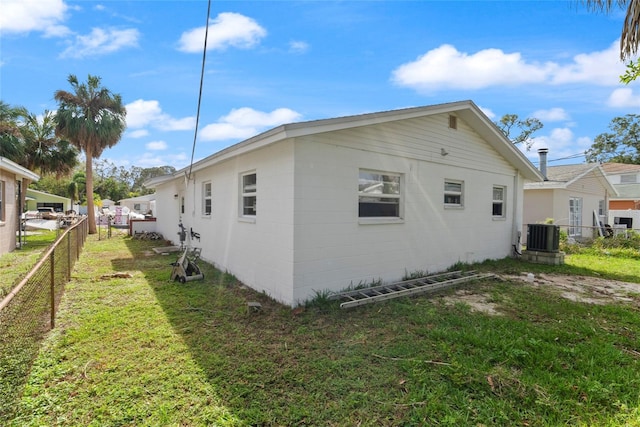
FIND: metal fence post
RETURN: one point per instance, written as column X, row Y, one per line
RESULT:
column 52, row 277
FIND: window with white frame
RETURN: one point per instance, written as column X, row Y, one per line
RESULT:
column 498, row 210
column 249, row 194
column 453, row 193
column 2, row 198
column 575, row 216
column 378, row 194
column 206, row 198
column 628, row 178
column 601, row 207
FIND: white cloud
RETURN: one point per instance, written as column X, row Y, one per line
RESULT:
column 228, row 29
column 139, row 133
column 624, row 98
column 601, row 68
column 551, row 115
column 149, row 160
column 562, row 143
column 296, row 46
column 24, row 16
column 489, row 113
column 101, row 41
column 141, row 113
column 246, row 122
column 156, row 145
column 447, row 68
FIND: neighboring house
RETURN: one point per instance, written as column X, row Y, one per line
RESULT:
column 13, row 180
column 323, row 205
column 39, row 199
column 626, row 180
column 142, row 204
column 570, row 195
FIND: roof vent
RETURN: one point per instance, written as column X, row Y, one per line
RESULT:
column 453, row 122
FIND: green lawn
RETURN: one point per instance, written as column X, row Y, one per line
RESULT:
column 16, row 264
column 147, row 351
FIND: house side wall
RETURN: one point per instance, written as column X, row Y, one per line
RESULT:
column 259, row 250
column 8, row 227
column 168, row 212
column 334, row 249
column 538, row 207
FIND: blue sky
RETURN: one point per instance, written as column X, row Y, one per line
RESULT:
column 275, row 62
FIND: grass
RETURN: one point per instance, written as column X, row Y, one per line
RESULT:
column 143, row 350
column 16, row 264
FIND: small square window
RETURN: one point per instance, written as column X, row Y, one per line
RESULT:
column 498, row 209
column 378, row 194
column 629, row 178
column 453, row 193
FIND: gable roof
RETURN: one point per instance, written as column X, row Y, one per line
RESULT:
column 143, row 198
column 561, row 177
column 43, row 194
column 466, row 110
column 20, row 171
column 619, row 168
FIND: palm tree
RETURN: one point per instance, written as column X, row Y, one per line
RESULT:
column 92, row 119
column 10, row 136
column 630, row 37
column 44, row 151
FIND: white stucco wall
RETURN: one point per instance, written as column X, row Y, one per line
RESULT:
column 258, row 251
column 307, row 237
column 335, row 249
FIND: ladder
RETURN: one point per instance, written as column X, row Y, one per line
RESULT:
column 405, row 288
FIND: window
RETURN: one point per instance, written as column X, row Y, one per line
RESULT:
column 249, row 194
column 206, row 198
column 498, row 210
column 378, row 194
column 453, row 193
column 601, row 208
column 575, row 216
column 629, row 178
column 2, row 198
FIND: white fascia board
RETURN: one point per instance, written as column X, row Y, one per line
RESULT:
column 19, row 171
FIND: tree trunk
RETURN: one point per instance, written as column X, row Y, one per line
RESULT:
column 91, row 215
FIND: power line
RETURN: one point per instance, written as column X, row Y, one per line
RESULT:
column 204, row 59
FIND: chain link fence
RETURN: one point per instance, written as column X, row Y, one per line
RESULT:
column 27, row 313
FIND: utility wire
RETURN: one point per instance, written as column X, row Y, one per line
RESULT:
column 204, row 59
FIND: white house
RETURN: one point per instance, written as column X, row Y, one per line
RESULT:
column 14, row 180
column 576, row 197
column 141, row 204
column 327, row 204
column 39, row 199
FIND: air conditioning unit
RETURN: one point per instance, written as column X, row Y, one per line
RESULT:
column 543, row 237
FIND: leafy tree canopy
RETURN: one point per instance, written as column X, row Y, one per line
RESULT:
column 519, row 131
column 621, row 145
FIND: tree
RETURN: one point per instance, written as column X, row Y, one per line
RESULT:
column 92, row 119
column 43, row 151
column 630, row 37
column 509, row 123
column 621, row 145
column 10, row 136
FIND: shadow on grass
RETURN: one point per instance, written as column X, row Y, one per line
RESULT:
column 321, row 366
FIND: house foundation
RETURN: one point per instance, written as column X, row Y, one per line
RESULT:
column 541, row 257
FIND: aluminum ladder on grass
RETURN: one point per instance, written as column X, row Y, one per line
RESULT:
column 405, row 288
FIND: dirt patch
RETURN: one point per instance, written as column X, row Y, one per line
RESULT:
column 584, row 289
